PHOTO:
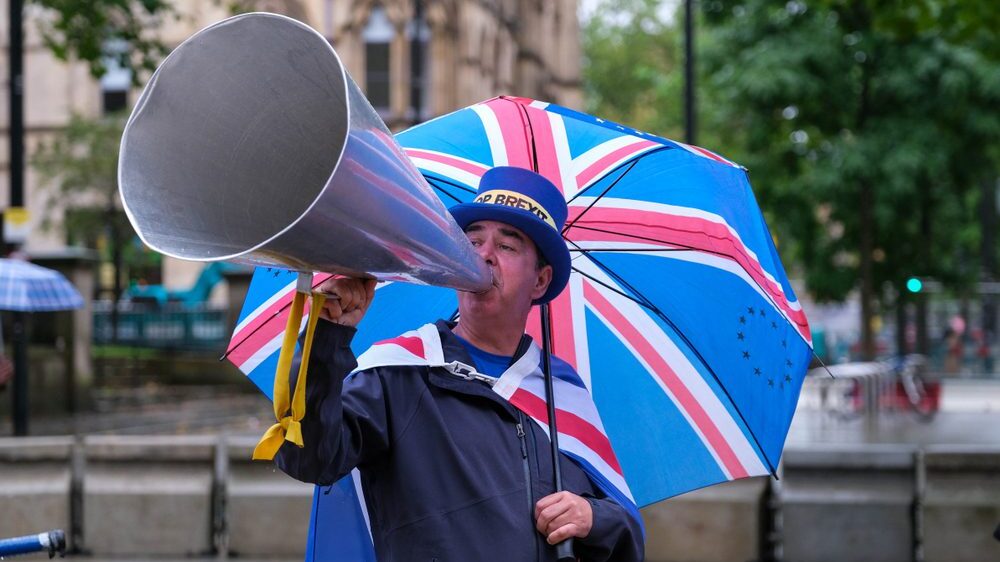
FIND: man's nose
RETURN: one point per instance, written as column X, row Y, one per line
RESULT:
column 486, row 252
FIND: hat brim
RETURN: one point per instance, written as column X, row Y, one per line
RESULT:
column 548, row 241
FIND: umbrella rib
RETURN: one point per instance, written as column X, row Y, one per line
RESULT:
column 610, row 288
column 637, row 237
column 629, row 163
column 630, row 250
column 433, row 184
column 451, row 183
column 448, row 193
column 638, row 298
column 531, row 136
column 683, row 247
column 254, row 331
column 677, row 246
column 693, row 349
column 644, row 302
column 603, row 193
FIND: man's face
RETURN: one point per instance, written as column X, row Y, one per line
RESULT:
column 517, row 279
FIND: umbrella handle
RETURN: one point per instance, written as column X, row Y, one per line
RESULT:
column 564, row 551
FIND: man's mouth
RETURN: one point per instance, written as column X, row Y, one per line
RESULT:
column 497, row 282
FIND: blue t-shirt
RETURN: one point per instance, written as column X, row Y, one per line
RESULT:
column 486, row 363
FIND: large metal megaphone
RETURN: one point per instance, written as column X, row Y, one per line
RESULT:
column 251, row 143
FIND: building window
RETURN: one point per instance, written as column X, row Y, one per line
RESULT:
column 116, row 81
column 114, row 100
column 418, row 33
column 377, row 35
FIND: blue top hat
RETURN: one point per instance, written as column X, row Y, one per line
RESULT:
column 529, row 202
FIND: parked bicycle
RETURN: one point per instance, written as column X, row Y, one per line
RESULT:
column 896, row 384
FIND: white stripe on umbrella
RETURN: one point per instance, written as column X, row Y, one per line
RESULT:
column 718, row 430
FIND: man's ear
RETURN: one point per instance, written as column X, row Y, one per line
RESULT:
column 542, row 282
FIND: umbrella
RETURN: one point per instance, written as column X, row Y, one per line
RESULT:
column 26, row 287
column 679, row 316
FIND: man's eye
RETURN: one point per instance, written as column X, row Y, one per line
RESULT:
column 506, row 247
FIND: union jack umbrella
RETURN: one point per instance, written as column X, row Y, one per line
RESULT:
column 678, row 317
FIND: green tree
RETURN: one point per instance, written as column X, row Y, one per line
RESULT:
column 78, row 169
column 96, row 31
column 633, row 71
column 867, row 130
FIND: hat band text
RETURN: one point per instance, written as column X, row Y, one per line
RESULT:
column 518, row 200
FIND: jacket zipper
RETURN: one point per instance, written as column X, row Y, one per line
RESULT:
column 527, row 469
column 527, row 475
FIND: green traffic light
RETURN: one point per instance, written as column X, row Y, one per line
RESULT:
column 914, row 285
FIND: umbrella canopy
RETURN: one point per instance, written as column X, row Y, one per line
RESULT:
column 27, row 287
column 679, row 316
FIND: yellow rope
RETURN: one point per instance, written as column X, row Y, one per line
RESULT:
column 288, row 427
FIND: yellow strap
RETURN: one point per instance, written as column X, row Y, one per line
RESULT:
column 288, row 427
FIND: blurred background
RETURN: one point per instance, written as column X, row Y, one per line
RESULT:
column 871, row 131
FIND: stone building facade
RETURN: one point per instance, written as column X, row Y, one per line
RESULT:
column 414, row 58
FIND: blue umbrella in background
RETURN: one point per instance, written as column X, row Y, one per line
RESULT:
column 26, row 287
column 678, row 316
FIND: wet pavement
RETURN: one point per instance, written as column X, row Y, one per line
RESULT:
column 161, row 410
column 969, row 414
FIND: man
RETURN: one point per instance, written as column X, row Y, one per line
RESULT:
column 451, row 470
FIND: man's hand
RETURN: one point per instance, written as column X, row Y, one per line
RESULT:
column 563, row 515
column 347, row 299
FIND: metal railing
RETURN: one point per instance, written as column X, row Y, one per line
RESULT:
column 851, row 390
column 164, row 327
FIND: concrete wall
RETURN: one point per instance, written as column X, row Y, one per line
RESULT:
column 35, row 481
column 716, row 524
column 200, row 496
column 131, row 497
column 848, row 503
column 260, row 499
column 159, row 489
column 960, row 504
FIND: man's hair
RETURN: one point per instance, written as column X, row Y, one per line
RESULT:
column 541, row 261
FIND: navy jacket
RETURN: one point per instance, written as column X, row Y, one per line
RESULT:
column 450, row 470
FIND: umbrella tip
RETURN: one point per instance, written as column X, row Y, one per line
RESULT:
column 823, row 365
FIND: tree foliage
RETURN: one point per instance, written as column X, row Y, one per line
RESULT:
column 828, row 99
column 78, row 170
column 79, row 166
column 97, row 31
column 869, row 126
column 633, row 66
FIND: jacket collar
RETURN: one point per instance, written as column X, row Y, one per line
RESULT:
column 453, row 350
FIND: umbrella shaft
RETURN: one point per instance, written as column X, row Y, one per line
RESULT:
column 550, row 400
column 564, row 550
column 20, row 394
